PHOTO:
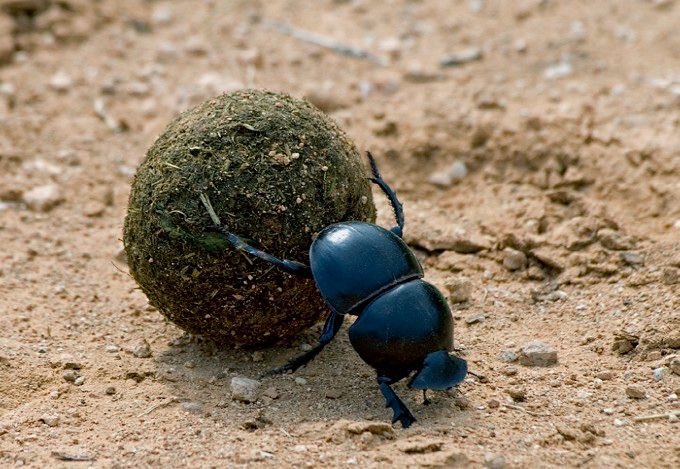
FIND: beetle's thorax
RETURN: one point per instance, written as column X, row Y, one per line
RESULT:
column 355, row 262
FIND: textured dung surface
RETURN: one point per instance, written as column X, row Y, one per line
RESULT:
column 277, row 171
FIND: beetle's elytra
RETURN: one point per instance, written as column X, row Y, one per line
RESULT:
column 404, row 325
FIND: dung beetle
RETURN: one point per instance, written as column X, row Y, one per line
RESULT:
column 403, row 324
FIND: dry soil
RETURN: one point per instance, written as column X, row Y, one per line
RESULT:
column 547, row 143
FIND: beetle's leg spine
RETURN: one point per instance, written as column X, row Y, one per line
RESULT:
column 330, row 330
column 391, row 196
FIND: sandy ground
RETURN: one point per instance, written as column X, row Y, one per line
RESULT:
column 554, row 132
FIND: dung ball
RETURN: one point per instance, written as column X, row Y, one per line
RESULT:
column 276, row 171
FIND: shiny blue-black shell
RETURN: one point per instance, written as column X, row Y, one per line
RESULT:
column 396, row 331
column 354, row 262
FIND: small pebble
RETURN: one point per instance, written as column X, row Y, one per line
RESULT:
column 635, row 391
column 300, row 380
column 632, row 258
column 79, row 381
column 471, row 54
column 619, row 423
column 508, row 356
column 271, row 392
column 513, row 259
column 244, row 389
column 50, row 420
column 333, row 393
column 605, row 375
column 112, row 348
column 660, row 373
column 192, row 407
column 460, row 289
column 474, row 319
column 70, row 376
column 494, row 461
column 613, row 240
column 456, row 172
column 518, row 394
column 43, row 198
column 110, row 391
column 558, row 70
column 674, row 365
column 141, row 349
column 162, row 14
column 537, row 353
column 61, row 82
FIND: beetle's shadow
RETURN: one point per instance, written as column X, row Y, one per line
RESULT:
column 336, row 385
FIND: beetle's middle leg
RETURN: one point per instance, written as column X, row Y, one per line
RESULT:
column 391, row 195
column 401, row 412
column 289, row 266
column 330, row 329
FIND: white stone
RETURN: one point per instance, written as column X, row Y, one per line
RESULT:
column 43, row 198
column 61, row 81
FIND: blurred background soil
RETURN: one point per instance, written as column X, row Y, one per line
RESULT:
column 535, row 145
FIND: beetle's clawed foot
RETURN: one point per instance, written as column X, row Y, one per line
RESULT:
column 401, row 412
column 297, row 362
column 404, row 416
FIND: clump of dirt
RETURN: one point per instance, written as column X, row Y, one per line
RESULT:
column 276, row 171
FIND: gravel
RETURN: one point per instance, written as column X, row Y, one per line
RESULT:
column 537, row 353
column 461, row 57
column 635, row 391
column 141, row 349
column 474, row 319
column 50, row 420
column 508, row 356
column 454, row 173
column 61, row 82
column 43, row 198
column 660, row 373
column 460, row 289
column 514, row 259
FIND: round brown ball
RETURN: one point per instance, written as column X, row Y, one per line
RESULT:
column 276, row 171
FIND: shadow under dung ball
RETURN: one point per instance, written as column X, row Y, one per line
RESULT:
column 276, row 171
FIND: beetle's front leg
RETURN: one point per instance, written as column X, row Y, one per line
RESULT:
column 401, row 412
column 293, row 267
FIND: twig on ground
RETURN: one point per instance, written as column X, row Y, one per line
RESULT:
column 530, row 412
column 647, row 418
column 325, row 42
column 164, row 403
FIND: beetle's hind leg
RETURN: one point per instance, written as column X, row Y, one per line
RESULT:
column 391, row 195
column 399, row 409
column 289, row 266
column 330, row 329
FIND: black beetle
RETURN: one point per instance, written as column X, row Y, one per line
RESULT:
column 403, row 324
